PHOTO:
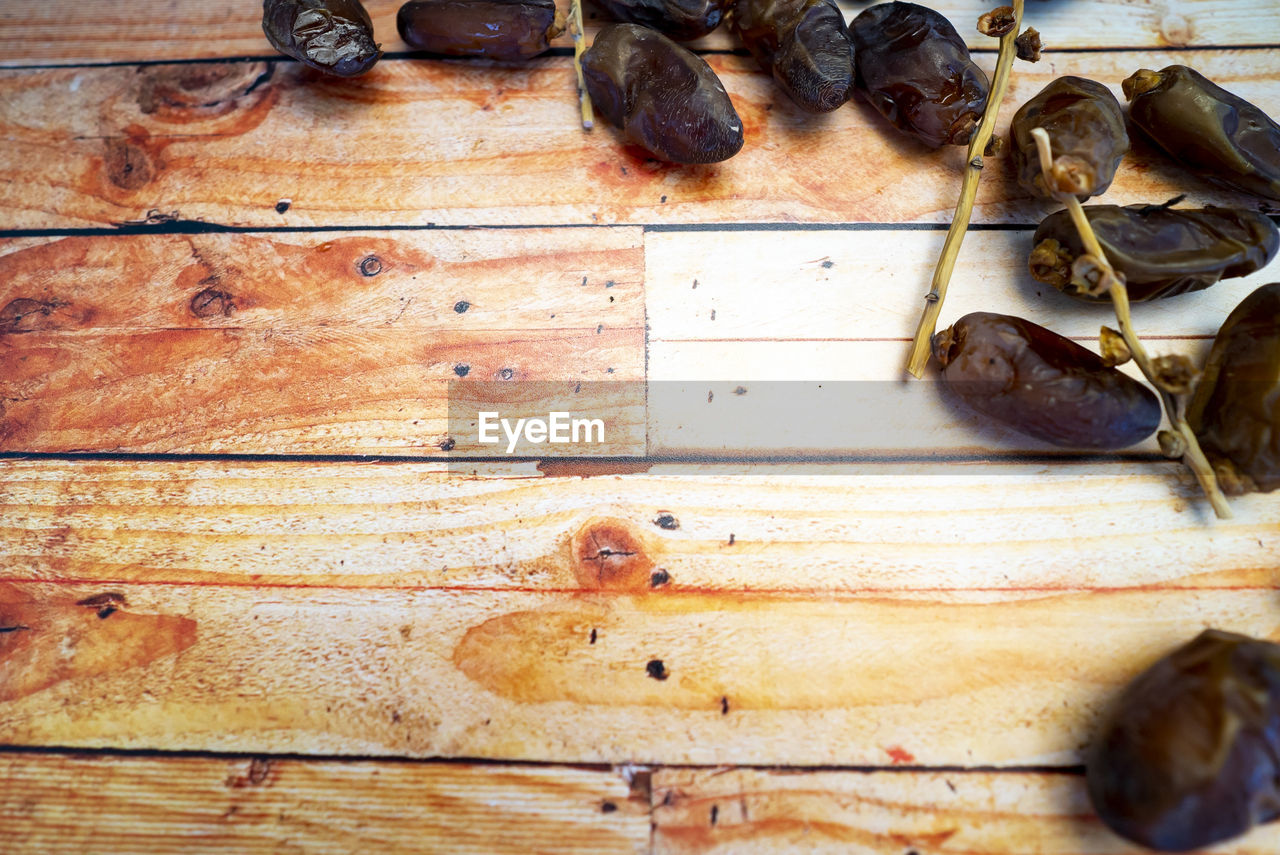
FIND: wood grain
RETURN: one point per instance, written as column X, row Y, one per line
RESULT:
column 746, row 811
column 325, row 344
column 66, row 803
column 809, row 530
column 671, row 677
column 454, row 144
column 65, row 32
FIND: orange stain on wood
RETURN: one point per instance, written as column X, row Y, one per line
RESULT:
column 44, row 642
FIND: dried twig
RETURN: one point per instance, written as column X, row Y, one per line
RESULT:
column 1103, row 278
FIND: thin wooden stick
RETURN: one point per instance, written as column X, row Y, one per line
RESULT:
column 579, row 46
column 1193, row 456
column 964, row 207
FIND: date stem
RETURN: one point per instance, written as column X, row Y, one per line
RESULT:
column 579, row 47
column 919, row 355
column 1193, row 456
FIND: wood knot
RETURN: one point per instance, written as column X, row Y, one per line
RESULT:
column 128, row 165
column 106, row 604
column 25, row 314
column 211, row 302
column 257, row 775
column 609, row 555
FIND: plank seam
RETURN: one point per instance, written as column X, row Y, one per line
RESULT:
column 1029, row 458
column 160, row 754
column 195, row 227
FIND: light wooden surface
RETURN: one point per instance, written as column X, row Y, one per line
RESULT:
column 453, row 143
column 262, row 804
column 66, row 32
column 891, row 638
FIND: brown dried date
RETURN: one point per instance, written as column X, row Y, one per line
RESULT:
column 1235, row 410
column 495, row 29
column 1160, row 251
column 1216, row 134
column 333, row 36
column 1043, row 384
column 1086, row 130
column 663, row 97
column 804, row 43
column 1190, row 755
column 681, row 20
column 914, row 68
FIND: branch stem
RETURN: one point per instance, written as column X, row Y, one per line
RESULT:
column 580, row 46
column 919, row 355
column 1193, row 457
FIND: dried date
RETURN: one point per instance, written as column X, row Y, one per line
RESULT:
column 1043, row 384
column 914, row 68
column 1160, row 251
column 663, row 97
column 333, row 36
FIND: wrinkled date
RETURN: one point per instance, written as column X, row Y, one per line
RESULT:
column 333, row 36
column 1042, row 384
column 495, row 29
column 804, row 43
column 1214, row 133
column 678, row 19
column 1189, row 754
column 1086, row 132
column 663, row 97
column 914, row 68
column 1235, row 411
column 1161, row 252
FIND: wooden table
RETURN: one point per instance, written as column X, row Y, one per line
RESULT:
column 250, row 603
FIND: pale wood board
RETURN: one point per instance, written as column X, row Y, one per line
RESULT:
column 67, row 32
column 888, row 813
column 810, row 531
column 67, row 803
column 450, row 143
column 944, row 677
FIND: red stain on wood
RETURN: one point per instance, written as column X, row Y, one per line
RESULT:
column 900, row 755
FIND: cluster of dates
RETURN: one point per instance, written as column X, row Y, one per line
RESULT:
column 906, row 59
column 1049, row 387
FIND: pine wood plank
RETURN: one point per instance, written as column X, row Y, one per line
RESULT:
column 673, row 677
column 457, row 280
column 67, row 803
column 452, row 143
column 64, row 32
column 320, row 344
column 828, row 286
column 747, row 811
column 811, row 531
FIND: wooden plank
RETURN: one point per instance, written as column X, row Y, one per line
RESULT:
column 789, row 399
column 746, row 811
column 67, row 803
column 748, row 329
column 671, row 677
column 810, row 531
column 64, row 32
column 820, row 286
column 457, row 281
column 318, row 344
column 456, row 144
